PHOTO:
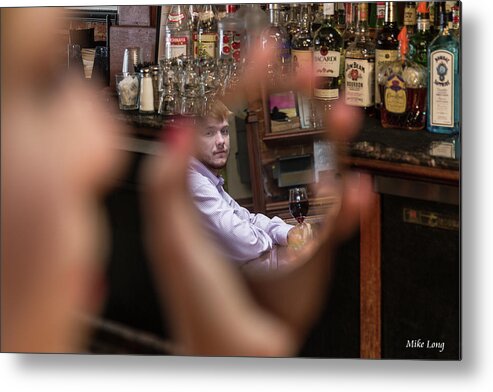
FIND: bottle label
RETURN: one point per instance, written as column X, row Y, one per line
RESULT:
column 380, row 57
column 175, row 18
column 230, row 44
column 395, row 95
column 381, row 10
column 359, row 82
column 327, row 94
column 178, row 46
column 302, row 61
column 328, row 9
column 205, row 45
column 326, row 62
column 409, row 16
column 442, row 88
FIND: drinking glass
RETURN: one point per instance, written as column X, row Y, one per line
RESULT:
column 127, row 87
column 298, row 203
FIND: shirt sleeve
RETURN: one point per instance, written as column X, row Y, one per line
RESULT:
column 275, row 227
column 241, row 239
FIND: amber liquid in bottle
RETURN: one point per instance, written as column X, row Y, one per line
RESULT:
column 413, row 118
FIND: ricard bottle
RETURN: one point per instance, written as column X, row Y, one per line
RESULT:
column 327, row 53
column 443, row 80
column 360, row 66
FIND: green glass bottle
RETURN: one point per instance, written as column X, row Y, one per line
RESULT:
column 444, row 80
column 419, row 42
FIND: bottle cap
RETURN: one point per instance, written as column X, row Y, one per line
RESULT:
column 422, row 8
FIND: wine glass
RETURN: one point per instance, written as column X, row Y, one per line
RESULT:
column 298, row 203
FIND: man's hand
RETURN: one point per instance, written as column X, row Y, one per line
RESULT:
column 299, row 235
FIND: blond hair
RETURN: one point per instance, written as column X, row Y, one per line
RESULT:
column 218, row 111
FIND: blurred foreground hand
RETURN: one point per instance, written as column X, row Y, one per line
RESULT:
column 213, row 308
column 58, row 159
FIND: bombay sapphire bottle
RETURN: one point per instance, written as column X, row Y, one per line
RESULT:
column 443, row 80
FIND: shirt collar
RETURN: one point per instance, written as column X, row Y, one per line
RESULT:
column 199, row 167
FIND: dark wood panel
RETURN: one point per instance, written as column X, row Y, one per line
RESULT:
column 370, row 280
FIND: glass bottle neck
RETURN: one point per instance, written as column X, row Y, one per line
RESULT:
column 305, row 18
column 349, row 14
column 363, row 18
column 390, row 12
column 423, row 23
column 230, row 8
column 274, row 16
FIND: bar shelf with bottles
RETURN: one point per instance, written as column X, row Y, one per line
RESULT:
column 371, row 55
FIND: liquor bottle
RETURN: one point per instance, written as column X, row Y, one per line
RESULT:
column 206, row 42
column 387, row 45
column 293, row 23
column 318, row 19
column 340, row 17
column 327, row 51
column 177, row 33
column 255, row 21
column 360, row 66
column 443, row 81
column 380, row 16
column 302, row 45
column 410, row 18
column 231, row 35
column 456, row 20
column 435, row 18
column 193, row 12
column 275, row 38
column 419, row 42
column 349, row 33
column 402, row 85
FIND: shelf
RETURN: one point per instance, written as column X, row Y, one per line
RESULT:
column 297, row 135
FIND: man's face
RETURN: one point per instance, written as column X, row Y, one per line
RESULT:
column 213, row 144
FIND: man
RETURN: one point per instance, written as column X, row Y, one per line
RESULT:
column 242, row 234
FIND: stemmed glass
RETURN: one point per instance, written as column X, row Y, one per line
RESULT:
column 298, row 203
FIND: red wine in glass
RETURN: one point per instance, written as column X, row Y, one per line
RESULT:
column 298, row 203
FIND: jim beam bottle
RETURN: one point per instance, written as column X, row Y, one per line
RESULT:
column 387, row 45
column 360, row 66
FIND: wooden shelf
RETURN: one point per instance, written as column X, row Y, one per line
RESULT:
column 296, row 135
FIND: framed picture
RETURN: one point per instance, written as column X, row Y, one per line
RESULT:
column 283, row 110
